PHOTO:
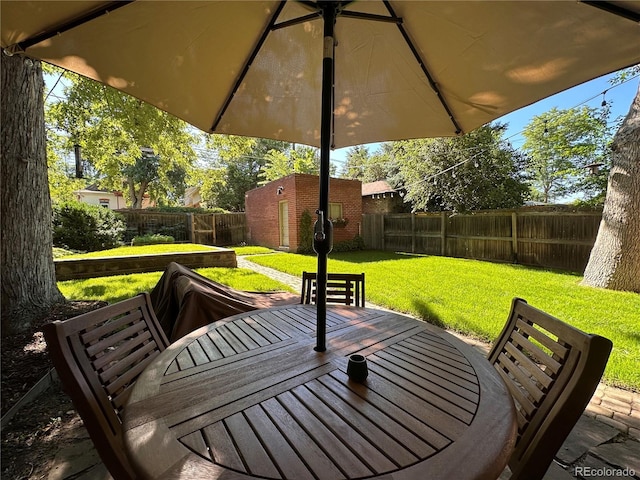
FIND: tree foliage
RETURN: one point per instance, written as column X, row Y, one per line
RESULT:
column 368, row 167
column 472, row 172
column 559, row 145
column 230, row 167
column 294, row 160
column 113, row 129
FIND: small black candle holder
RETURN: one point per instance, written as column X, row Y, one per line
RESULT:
column 357, row 368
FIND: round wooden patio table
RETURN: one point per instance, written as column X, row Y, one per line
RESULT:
column 248, row 397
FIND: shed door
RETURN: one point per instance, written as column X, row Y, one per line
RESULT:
column 284, row 223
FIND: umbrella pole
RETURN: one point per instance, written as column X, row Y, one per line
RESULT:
column 323, row 237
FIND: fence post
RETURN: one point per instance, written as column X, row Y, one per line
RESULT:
column 413, row 232
column 189, row 221
column 443, row 234
column 213, row 229
column 383, row 231
column 514, row 236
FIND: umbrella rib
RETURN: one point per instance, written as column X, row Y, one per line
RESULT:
column 296, row 21
column 430, row 79
column 65, row 27
column 615, row 9
column 250, row 60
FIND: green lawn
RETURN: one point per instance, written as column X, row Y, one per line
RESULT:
column 474, row 297
column 120, row 287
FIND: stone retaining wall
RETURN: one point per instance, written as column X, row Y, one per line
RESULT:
column 71, row 269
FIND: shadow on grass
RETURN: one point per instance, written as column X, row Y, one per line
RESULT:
column 425, row 312
column 367, row 256
column 91, row 291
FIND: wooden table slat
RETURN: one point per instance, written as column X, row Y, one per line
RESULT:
column 271, row 323
column 421, row 386
column 184, row 423
column 198, row 354
column 389, row 436
column 223, row 450
column 210, row 348
column 435, row 432
column 196, row 442
column 459, row 387
column 437, row 340
column 295, row 323
column 173, row 380
column 252, row 451
column 282, row 453
column 317, row 460
column 399, row 436
column 221, row 344
column 258, row 326
column 448, row 366
column 428, row 364
column 454, row 359
column 366, row 450
column 449, row 404
column 230, row 337
column 184, row 360
column 340, row 454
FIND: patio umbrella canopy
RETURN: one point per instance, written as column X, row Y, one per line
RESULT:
column 330, row 74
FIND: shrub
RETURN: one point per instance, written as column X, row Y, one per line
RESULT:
column 151, row 239
column 305, row 233
column 78, row 226
column 179, row 231
column 357, row 243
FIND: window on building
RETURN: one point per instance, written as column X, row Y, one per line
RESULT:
column 104, row 202
column 335, row 211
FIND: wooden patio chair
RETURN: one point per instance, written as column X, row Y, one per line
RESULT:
column 98, row 356
column 344, row 288
column 551, row 370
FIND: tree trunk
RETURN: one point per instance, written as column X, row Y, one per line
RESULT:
column 615, row 259
column 28, row 275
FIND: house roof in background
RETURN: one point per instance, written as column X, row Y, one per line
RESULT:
column 94, row 188
column 381, row 186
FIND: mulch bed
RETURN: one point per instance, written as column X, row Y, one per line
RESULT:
column 34, row 436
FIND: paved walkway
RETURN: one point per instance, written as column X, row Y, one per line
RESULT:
column 603, row 444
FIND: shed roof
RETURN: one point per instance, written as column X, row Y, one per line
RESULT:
column 381, row 186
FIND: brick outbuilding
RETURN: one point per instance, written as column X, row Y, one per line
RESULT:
column 273, row 211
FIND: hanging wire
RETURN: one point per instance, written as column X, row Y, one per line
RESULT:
column 54, row 87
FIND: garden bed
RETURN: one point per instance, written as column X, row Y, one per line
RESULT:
column 78, row 268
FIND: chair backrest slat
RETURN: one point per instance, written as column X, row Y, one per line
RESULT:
column 551, row 370
column 118, row 335
column 113, row 355
column 535, row 351
column 342, row 288
column 108, row 325
column 119, row 368
column 98, row 356
column 531, row 388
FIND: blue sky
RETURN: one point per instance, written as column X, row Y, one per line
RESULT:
column 590, row 93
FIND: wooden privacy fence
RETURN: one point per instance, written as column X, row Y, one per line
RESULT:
column 219, row 229
column 560, row 240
